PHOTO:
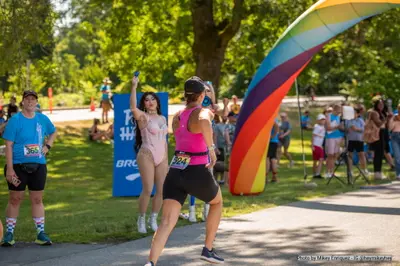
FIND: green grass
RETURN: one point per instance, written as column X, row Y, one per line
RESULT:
column 79, row 203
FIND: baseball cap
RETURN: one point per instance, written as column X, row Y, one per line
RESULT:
column 194, row 85
column 29, row 93
column 320, row 117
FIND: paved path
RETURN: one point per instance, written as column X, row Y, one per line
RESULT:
column 86, row 114
column 366, row 222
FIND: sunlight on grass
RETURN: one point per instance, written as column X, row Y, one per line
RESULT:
column 57, row 206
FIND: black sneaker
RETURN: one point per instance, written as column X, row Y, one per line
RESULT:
column 211, row 256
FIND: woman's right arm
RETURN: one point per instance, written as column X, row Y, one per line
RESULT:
column 375, row 118
column 137, row 113
column 9, row 161
column 205, row 119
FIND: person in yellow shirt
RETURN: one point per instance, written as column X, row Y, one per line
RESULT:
column 235, row 107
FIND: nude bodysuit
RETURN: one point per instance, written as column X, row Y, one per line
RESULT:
column 154, row 138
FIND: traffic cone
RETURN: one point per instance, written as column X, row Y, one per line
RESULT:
column 92, row 106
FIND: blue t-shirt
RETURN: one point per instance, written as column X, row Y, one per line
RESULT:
column 2, row 120
column 304, row 120
column 335, row 121
column 276, row 138
column 28, row 136
column 104, row 89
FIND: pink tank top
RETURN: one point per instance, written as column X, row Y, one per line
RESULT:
column 190, row 142
column 154, row 138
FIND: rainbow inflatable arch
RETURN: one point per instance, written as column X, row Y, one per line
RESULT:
column 274, row 78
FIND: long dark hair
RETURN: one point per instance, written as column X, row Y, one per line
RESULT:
column 382, row 114
column 138, row 142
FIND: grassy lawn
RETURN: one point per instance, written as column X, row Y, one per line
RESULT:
column 80, row 208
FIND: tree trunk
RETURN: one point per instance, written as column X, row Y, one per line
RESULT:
column 211, row 40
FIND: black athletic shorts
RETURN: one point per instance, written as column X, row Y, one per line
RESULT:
column 355, row 145
column 34, row 178
column 272, row 148
column 196, row 180
column 221, row 156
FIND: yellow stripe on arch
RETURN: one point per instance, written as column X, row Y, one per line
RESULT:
column 328, row 3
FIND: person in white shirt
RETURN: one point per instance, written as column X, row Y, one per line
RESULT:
column 318, row 136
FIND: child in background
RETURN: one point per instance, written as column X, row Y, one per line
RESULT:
column 318, row 136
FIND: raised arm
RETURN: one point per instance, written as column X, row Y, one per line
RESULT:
column 137, row 113
column 225, row 111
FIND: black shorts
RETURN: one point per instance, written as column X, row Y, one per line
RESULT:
column 221, row 156
column 355, row 145
column 34, row 178
column 196, row 180
column 272, row 148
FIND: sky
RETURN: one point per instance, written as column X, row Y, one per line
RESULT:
column 63, row 5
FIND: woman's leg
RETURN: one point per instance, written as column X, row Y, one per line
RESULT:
column 147, row 171
column 170, row 215
column 362, row 160
column 161, row 171
column 286, row 152
column 213, row 219
column 378, row 155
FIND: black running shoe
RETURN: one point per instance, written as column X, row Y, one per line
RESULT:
column 211, row 256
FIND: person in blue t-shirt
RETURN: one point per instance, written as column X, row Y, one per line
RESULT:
column 26, row 150
column 334, row 139
column 105, row 99
column 305, row 121
column 272, row 161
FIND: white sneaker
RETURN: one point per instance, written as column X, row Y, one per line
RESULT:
column 206, row 209
column 153, row 222
column 141, row 224
column 328, row 175
column 192, row 214
column 184, row 216
column 379, row 176
column 365, row 171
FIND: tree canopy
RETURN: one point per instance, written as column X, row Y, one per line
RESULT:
column 168, row 41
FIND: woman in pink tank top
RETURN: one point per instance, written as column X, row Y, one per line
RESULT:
column 152, row 153
column 190, row 172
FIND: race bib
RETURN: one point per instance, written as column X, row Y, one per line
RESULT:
column 180, row 161
column 32, row 150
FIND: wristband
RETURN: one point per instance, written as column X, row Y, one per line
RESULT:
column 212, row 147
column 48, row 146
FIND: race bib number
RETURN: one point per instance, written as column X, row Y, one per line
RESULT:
column 180, row 161
column 32, row 150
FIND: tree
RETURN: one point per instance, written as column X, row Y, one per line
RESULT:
column 26, row 30
column 210, row 39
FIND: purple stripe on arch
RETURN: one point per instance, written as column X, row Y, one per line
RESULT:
column 271, row 82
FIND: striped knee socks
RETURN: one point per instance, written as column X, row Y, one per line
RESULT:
column 39, row 222
column 10, row 224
